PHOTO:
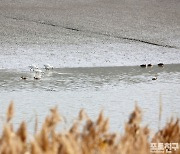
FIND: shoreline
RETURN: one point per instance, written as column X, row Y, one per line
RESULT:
column 96, row 54
column 88, row 33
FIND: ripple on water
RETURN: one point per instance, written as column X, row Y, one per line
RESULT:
column 115, row 89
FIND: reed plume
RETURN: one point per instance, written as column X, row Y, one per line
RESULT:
column 85, row 136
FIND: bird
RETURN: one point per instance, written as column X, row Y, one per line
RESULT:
column 154, row 78
column 149, row 65
column 143, row 65
column 48, row 67
column 23, row 77
column 33, row 67
column 160, row 64
column 37, row 76
column 37, row 71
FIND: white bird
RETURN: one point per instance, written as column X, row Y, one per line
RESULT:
column 37, row 71
column 37, row 76
column 48, row 67
column 33, row 67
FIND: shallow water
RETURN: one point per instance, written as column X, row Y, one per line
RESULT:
column 114, row 89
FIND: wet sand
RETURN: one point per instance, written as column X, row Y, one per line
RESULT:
column 80, row 33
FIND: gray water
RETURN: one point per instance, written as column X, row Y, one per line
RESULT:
column 113, row 89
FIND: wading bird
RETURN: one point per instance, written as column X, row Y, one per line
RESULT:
column 37, row 76
column 48, row 67
column 37, row 71
column 33, row 67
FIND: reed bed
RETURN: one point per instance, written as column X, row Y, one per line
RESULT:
column 86, row 136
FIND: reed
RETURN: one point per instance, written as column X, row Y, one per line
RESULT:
column 85, row 136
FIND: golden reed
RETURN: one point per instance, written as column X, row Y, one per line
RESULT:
column 85, row 136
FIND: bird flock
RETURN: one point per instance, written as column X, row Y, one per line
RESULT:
column 37, row 72
column 150, row 65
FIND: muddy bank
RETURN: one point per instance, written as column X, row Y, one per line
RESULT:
column 88, row 33
column 85, row 55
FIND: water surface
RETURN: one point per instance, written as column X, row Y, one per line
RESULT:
column 114, row 89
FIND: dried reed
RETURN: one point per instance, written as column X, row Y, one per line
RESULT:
column 85, row 136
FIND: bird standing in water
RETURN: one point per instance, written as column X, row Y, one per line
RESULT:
column 38, row 74
column 48, row 67
column 33, row 67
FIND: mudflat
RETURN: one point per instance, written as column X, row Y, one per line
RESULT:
column 89, row 32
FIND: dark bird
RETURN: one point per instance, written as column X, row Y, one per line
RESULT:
column 149, row 65
column 160, row 64
column 143, row 65
column 23, row 77
column 154, row 78
column 37, row 78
